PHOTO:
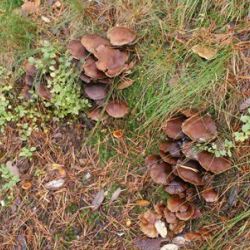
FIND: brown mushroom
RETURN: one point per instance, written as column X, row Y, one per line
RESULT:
column 96, row 115
column 169, row 216
column 174, row 203
column 92, row 41
column 168, row 158
column 120, row 36
column 95, row 91
column 43, row 91
column 30, row 69
column 188, row 171
column 117, row 109
column 172, row 127
column 200, row 128
column 176, row 187
column 111, row 61
column 186, row 215
column 161, row 173
column 212, row 163
column 76, row 49
column 210, row 195
column 91, row 70
column 173, row 148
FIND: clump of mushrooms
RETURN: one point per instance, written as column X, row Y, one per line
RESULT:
column 184, row 170
column 102, row 59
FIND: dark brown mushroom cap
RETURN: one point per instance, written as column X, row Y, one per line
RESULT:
column 161, row 173
column 152, row 159
column 92, row 41
column 209, row 195
column 172, row 127
column 200, row 128
column 95, row 91
column 212, row 163
column 169, row 216
column 168, row 158
column 96, row 115
column 91, row 70
column 188, row 171
column 117, row 109
column 174, row 204
column 173, row 148
column 76, row 49
column 120, row 36
column 176, row 187
column 111, row 61
column 186, row 215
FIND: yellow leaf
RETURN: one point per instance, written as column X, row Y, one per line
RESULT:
column 142, row 203
column 205, row 52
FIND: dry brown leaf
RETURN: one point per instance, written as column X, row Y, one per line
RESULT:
column 116, row 194
column 118, row 133
column 55, row 184
column 148, row 244
column 98, row 200
column 142, row 203
column 170, row 247
column 205, row 52
column 30, row 7
column 125, row 84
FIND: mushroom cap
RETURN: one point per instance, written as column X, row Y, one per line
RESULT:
column 91, row 70
column 172, row 127
column 95, row 91
column 212, row 163
column 173, row 148
column 92, row 41
column 120, row 36
column 85, row 78
column 161, row 173
column 76, row 49
column 30, row 69
column 200, row 128
column 169, row 216
column 152, row 159
column 186, row 215
column 210, row 195
column 96, row 115
column 43, row 91
column 117, row 109
column 168, row 158
column 189, row 172
column 174, row 204
column 189, row 112
column 111, row 61
column 176, row 187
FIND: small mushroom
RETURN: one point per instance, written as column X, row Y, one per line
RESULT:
column 168, row 158
column 111, row 61
column 174, row 203
column 173, row 148
column 176, row 187
column 188, row 172
column 186, row 215
column 76, row 49
column 85, row 78
column 95, row 91
column 91, row 70
column 117, row 109
column 169, row 216
column 210, row 195
column 161, row 173
column 120, row 36
column 200, row 128
column 172, row 127
column 96, row 115
column 212, row 163
column 92, row 41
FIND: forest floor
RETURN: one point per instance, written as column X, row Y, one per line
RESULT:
column 167, row 77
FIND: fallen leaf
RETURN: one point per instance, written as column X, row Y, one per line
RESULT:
column 118, row 133
column 30, row 7
column 45, row 19
column 192, row 236
column 161, row 228
column 128, row 222
column 179, row 240
column 43, row 91
column 142, row 203
column 98, row 200
column 21, row 243
column 13, row 169
column 170, row 247
column 116, row 194
column 55, row 184
column 125, row 84
column 148, row 244
column 205, row 52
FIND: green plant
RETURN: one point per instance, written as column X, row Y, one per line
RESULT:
column 222, row 149
column 27, row 152
column 8, row 179
column 244, row 133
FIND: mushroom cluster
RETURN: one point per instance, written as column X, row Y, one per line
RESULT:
column 103, row 59
column 183, row 170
